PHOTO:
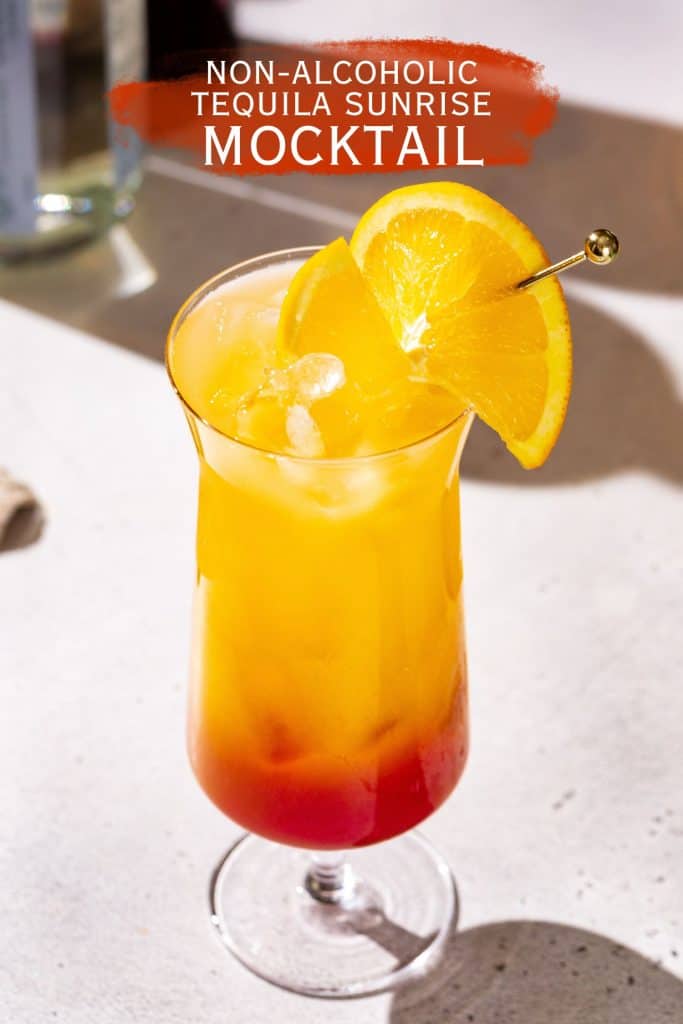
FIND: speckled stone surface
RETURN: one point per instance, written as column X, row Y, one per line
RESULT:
column 566, row 834
column 567, row 831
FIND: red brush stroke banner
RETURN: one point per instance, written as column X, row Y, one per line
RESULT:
column 348, row 107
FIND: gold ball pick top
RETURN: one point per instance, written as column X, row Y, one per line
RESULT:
column 600, row 247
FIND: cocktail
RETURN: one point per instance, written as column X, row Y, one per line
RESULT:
column 329, row 393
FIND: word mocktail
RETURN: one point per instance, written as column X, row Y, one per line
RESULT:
column 333, row 146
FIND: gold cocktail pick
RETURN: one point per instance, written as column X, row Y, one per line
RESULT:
column 600, row 247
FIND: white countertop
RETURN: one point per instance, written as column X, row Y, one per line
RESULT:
column 570, row 812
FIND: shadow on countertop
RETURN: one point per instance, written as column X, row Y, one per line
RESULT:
column 593, row 168
column 624, row 414
column 534, row 972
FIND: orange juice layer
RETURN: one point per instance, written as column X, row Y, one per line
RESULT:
column 328, row 701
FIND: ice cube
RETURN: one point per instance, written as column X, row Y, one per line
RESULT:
column 303, row 432
column 315, row 376
column 277, row 412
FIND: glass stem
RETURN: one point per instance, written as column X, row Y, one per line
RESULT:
column 329, row 878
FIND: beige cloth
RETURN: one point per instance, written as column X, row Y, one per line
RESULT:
column 21, row 519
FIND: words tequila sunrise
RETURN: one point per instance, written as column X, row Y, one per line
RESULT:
column 343, row 128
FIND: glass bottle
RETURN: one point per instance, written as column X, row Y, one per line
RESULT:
column 66, row 171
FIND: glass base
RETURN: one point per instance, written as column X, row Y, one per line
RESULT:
column 383, row 922
column 77, row 209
